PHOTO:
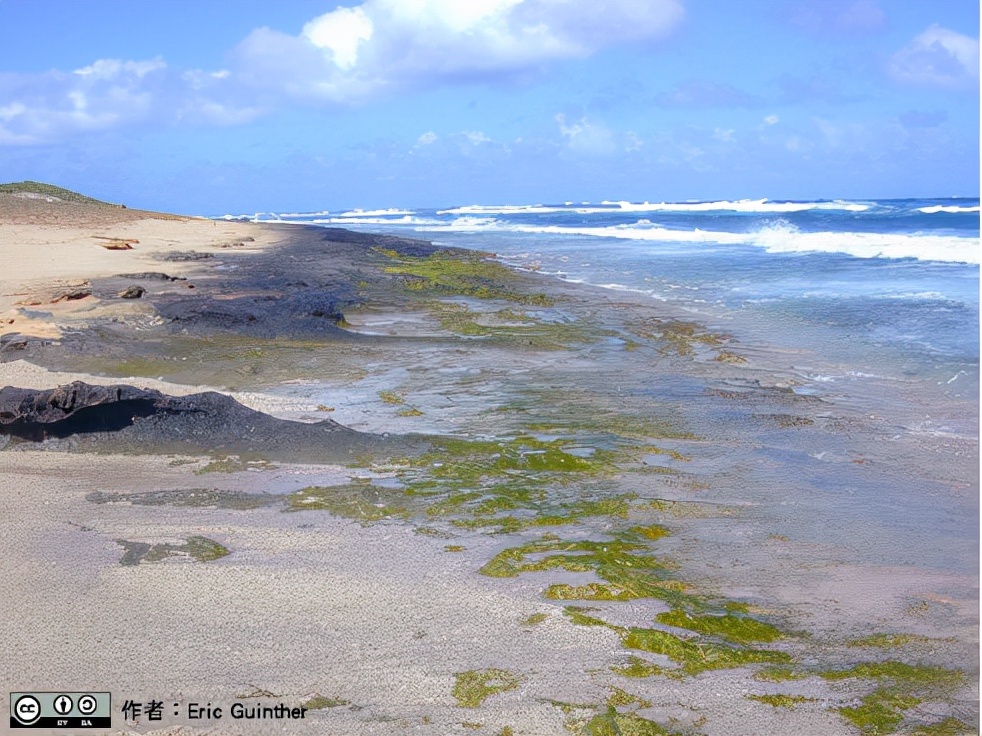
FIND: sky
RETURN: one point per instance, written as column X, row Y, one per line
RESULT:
column 226, row 106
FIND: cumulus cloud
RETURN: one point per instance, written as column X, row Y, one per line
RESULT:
column 588, row 138
column 349, row 55
column 108, row 93
column 938, row 57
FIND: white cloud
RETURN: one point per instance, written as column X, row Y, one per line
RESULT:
column 350, row 54
column 937, row 57
column 772, row 120
column 723, row 134
column 340, row 32
column 475, row 137
column 48, row 107
column 426, row 139
column 585, row 137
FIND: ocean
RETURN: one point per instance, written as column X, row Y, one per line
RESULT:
column 862, row 289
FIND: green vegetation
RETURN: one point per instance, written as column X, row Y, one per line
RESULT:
column 504, row 326
column 900, row 687
column 615, row 723
column 676, row 336
column 410, row 411
column 320, row 702
column 201, row 549
column 475, row 686
column 391, row 397
column 620, row 698
column 637, row 667
column 905, row 675
column 694, row 657
column 205, row 550
column 535, row 619
column 880, row 712
column 48, row 190
column 737, row 629
column 886, row 641
column 233, row 464
column 781, row 700
column 947, row 727
column 461, row 273
column 363, row 501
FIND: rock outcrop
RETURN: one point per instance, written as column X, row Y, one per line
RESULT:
column 80, row 416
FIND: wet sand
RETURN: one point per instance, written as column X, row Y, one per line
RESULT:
column 802, row 512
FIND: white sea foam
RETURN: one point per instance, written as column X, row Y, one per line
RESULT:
column 951, row 209
column 742, row 205
column 357, row 212
column 404, row 220
column 324, row 213
column 778, row 238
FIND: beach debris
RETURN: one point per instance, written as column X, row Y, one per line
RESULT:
column 115, row 243
column 73, row 294
column 132, row 292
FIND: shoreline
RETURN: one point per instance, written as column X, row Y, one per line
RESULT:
column 577, row 372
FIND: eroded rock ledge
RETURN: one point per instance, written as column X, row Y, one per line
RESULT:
column 81, row 416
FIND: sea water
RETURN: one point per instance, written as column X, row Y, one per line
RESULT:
column 884, row 288
column 870, row 306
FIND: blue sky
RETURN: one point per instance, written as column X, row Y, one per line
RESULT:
column 230, row 107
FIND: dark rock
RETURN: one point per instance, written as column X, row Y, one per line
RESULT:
column 13, row 341
column 132, row 292
column 185, row 255
column 79, row 292
column 80, row 416
column 150, row 276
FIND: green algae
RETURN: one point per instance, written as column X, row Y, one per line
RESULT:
column 781, row 700
column 460, row 273
column 198, row 548
column 362, row 501
column 621, row 698
column 694, row 657
column 535, row 619
column 320, row 702
column 906, row 675
column 947, row 727
column 901, row 686
column 205, row 550
column 454, row 548
column 637, row 667
column 189, row 497
column 233, row 464
column 676, row 336
column 615, row 723
column 473, row 687
column 391, row 397
column 880, row 712
column 410, row 411
column 887, row 641
column 738, row 629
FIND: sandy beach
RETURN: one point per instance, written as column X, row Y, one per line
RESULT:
column 560, row 510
